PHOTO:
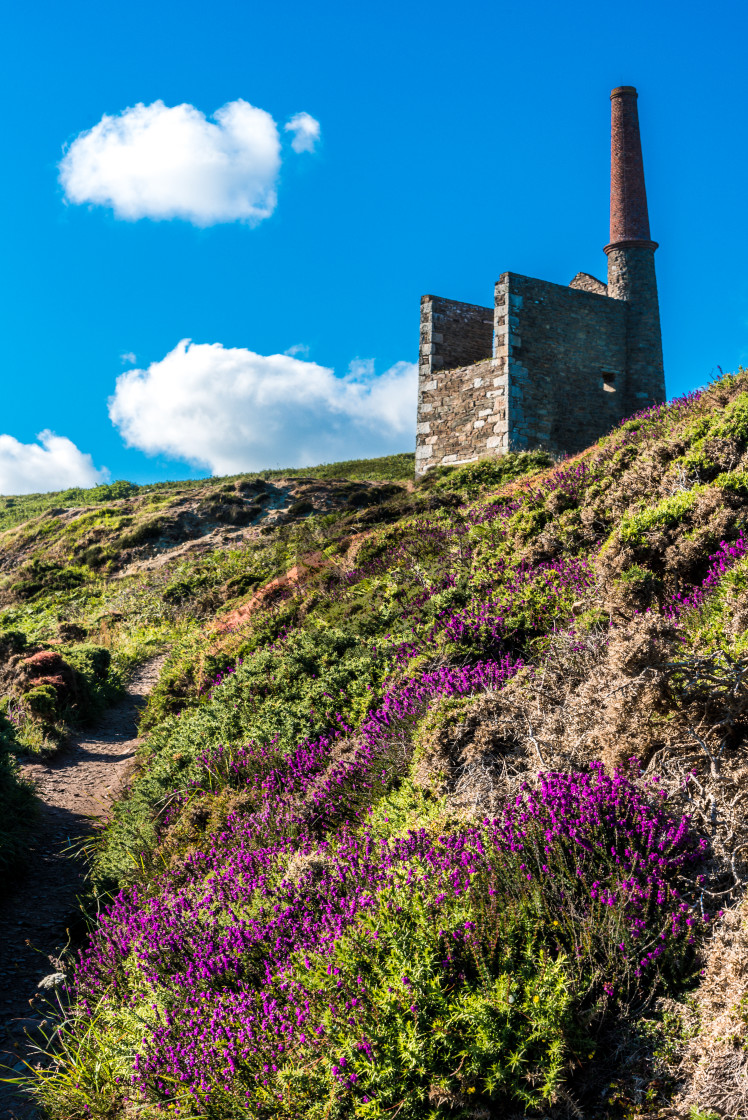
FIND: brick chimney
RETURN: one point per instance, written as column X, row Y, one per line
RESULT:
column 631, row 270
column 629, row 220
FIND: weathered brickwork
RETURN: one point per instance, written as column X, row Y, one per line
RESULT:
column 629, row 216
column 567, row 363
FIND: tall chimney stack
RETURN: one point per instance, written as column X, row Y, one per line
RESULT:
column 631, row 271
column 629, row 220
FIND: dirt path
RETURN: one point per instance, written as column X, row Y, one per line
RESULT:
column 76, row 790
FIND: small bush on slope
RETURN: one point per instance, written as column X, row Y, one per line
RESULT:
column 17, row 808
column 231, row 813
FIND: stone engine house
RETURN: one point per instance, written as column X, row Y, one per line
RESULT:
column 549, row 366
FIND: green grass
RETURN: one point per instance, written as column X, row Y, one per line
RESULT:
column 386, row 468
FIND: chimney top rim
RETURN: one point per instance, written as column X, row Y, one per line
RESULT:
column 621, row 91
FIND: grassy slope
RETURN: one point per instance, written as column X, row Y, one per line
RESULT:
column 499, row 626
column 98, row 580
column 63, row 593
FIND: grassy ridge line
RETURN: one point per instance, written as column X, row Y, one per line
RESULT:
column 16, row 509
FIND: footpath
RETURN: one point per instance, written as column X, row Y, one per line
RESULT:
column 39, row 916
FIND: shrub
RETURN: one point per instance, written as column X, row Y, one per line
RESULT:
column 98, row 684
column 17, row 806
column 11, row 641
column 47, row 575
column 467, row 967
column 42, row 701
column 472, row 478
column 670, row 511
column 112, row 491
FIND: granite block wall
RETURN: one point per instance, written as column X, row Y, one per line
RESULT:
column 563, row 351
column 453, row 334
column 556, row 378
column 461, row 415
column 631, row 277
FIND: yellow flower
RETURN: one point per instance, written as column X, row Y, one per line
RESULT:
column 555, row 923
column 536, row 999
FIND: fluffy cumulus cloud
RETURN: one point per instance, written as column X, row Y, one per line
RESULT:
column 156, row 161
column 232, row 410
column 53, row 463
column 305, row 131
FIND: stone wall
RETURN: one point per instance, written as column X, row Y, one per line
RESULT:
column 563, row 352
column 631, row 277
column 461, row 415
column 453, row 334
column 557, row 378
column 586, row 283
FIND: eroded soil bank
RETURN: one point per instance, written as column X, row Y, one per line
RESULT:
column 38, row 914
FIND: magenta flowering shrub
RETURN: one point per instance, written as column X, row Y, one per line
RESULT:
column 278, row 991
column 720, row 562
column 530, row 598
column 673, row 409
column 306, row 792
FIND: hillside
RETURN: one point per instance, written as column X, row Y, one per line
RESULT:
column 441, row 807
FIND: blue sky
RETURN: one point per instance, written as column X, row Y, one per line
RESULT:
column 455, row 143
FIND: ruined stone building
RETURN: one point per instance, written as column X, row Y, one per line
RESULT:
column 549, row 366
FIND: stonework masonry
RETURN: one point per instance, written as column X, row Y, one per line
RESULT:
column 454, row 334
column 557, row 373
column 549, row 366
column 562, row 354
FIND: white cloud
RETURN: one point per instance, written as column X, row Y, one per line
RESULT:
column 305, row 130
column 300, row 348
column 156, row 161
column 128, row 359
column 54, row 463
column 232, row 410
